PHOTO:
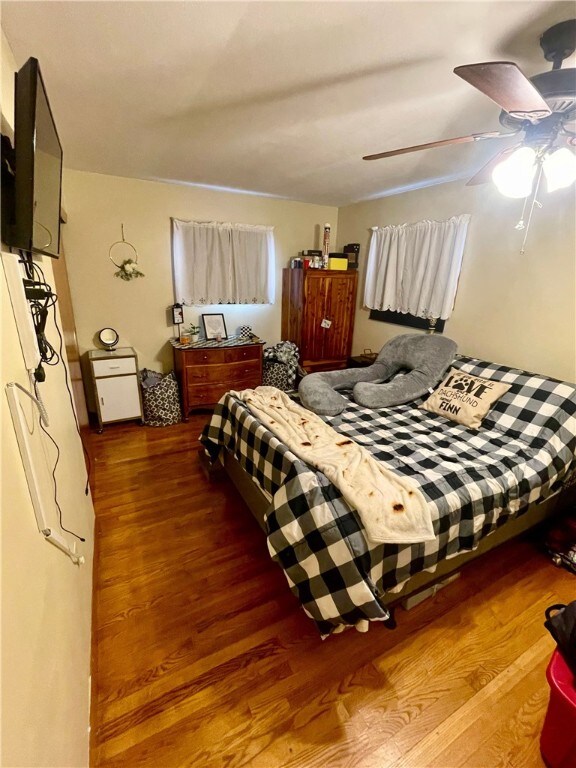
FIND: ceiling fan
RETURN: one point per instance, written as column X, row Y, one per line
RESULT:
column 542, row 107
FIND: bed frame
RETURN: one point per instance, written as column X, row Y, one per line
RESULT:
column 258, row 503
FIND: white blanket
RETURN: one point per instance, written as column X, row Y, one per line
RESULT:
column 392, row 509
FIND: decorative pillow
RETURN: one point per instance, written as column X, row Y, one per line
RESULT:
column 464, row 398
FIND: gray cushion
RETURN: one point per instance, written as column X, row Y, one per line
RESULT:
column 424, row 357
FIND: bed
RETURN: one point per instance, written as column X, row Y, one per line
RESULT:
column 482, row 486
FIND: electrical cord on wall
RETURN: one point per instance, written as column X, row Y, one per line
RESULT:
column 43, row 428
column 42, row 411
column 39, row 308
column 39, row 401
column 41, row 299
column 71, row 398
column 60, row 355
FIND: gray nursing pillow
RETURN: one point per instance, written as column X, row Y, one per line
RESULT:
column 425, row 358
column 319, row 391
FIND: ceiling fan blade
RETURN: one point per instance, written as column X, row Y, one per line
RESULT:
column 441, row 143
column 484, row 175
column 505, row 84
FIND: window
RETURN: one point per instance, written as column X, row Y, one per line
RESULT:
column 222, row 263
column 430, row 324
column 414, row 268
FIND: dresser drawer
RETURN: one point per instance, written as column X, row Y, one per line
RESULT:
column 241, row 372
column 222, row 373
column 243, row 353
column 209, row 394
column 204, row 356
column 249, row 383
column 114, row 367
column 206, row 395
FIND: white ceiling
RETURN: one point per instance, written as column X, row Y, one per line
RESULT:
column 279, row 98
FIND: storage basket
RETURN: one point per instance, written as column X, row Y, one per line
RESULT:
column 160, row 398
column 280, row 365
column 276, row 375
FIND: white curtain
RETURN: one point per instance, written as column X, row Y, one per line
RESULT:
column 222, row 263
column 414, row 268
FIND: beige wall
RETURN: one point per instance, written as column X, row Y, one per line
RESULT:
column 97, row 204
column 46, row 600
column 7, row 84
column 515, row 309
column 510, row 308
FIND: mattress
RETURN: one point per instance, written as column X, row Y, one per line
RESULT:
column 473, row 481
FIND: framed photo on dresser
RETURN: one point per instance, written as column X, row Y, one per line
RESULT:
column 214, row 327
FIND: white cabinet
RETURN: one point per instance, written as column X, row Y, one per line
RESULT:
column 118, row 398
column 115, row 385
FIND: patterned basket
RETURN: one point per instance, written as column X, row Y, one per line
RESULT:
column 276, row 375
column 162, row 403
column 280, row 366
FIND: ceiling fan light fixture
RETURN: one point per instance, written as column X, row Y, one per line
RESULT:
column 559, row 169
column 514, row 176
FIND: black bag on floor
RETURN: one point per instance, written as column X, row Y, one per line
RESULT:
column 561, row 623
column 160, row 398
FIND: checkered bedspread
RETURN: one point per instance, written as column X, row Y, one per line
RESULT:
column 474, row 482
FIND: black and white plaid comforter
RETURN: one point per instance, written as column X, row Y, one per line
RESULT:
column 474, row 482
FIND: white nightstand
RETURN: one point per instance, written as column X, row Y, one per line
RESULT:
column 115, row 385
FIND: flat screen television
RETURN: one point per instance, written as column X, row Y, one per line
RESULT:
column 38, row 167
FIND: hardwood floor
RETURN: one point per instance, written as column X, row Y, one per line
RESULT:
column 202, row 656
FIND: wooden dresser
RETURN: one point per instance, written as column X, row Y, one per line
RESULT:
column 206, row 373
column 318, row 307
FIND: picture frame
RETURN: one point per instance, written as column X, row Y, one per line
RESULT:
column 177, row 314
column 214, row 327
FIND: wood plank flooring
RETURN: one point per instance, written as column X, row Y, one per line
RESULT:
column 202, row 657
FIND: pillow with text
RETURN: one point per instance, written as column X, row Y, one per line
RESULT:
column 465, row 399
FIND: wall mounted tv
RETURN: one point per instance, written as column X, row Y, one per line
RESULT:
column 38, row 168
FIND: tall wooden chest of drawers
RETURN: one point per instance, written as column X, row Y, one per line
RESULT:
column 206, row 373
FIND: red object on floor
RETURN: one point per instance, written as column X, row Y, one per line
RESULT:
column 558, row 737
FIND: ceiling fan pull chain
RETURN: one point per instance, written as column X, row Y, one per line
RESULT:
column 521, row 223
column 533, row 203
